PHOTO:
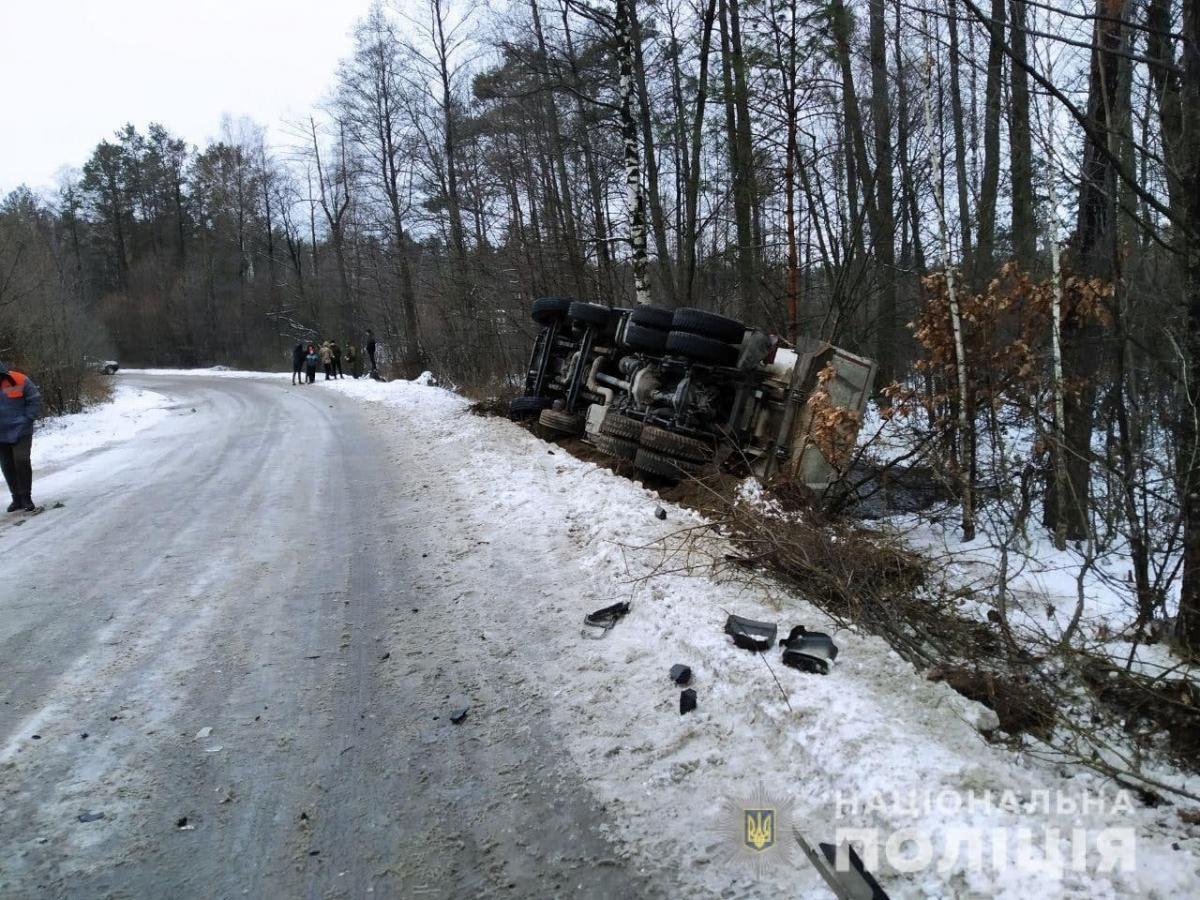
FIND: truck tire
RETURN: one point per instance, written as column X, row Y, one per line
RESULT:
column 644, row 339
column 549, row 309
column 664, row 466
column 702, row 349
column 709, row 325
column 615, row 446
column 568, row 423
column 590, row 314
column 652, row 317
column 662, row 441
column 619, row 426
column 528, row 405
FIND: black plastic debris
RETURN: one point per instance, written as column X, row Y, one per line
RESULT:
column 749, row 634
column 681, row 674
column 856, row 877
column 808, row 651
column 847, row 877
column 90, row 816
column 687, row 701
column 660, row 513
column 605, row 619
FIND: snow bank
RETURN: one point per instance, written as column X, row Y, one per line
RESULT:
column 61, row 439
column 211, row 372
column 871, row 746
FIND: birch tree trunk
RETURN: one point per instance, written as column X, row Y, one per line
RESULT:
column 634, row 196
column 1060, row 469
column 883, row 228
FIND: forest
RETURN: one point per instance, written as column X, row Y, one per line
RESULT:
column 997, row 200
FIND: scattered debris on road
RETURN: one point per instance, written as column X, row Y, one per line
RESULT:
column 687, row 701
column 459, row 715
column 749, row 634
column 809, row 651
column 660, row 513
column 203, row 732
column 848, row 878
column 604, row 619
column 681, row 674
column 90, row 816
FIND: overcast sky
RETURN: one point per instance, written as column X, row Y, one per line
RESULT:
column 73, row 71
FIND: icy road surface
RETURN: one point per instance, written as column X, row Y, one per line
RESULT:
column 263, row 608
column 245, row 568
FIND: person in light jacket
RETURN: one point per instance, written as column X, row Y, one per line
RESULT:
column 20, row 406
column 327, row 359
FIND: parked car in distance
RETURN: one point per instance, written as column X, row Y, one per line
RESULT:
column 107, row 366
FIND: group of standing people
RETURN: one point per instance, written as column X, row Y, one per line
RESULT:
column 306, row 357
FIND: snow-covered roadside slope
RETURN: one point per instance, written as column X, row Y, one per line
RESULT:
column 60, row 439
column 872, row 745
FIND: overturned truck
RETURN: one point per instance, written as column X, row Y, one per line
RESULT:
column 683, row 392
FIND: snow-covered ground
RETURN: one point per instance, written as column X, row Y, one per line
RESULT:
column 211, row 372
column 871, row 746
column 61, row 439
column 1044, row 582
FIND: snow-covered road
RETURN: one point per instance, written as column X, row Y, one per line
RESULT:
column 263, row 608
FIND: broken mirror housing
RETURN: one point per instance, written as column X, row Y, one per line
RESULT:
column 749, row 634
column 808, row 651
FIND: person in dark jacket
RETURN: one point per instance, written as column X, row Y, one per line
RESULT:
column 352, row 360
column 336, row 349
column 20, row 405
column 371, row 349
column 298, row 353
column 311, row 358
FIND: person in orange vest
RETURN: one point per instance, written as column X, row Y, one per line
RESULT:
column 20, row 405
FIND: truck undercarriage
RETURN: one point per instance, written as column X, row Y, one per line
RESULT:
column 683, row 392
